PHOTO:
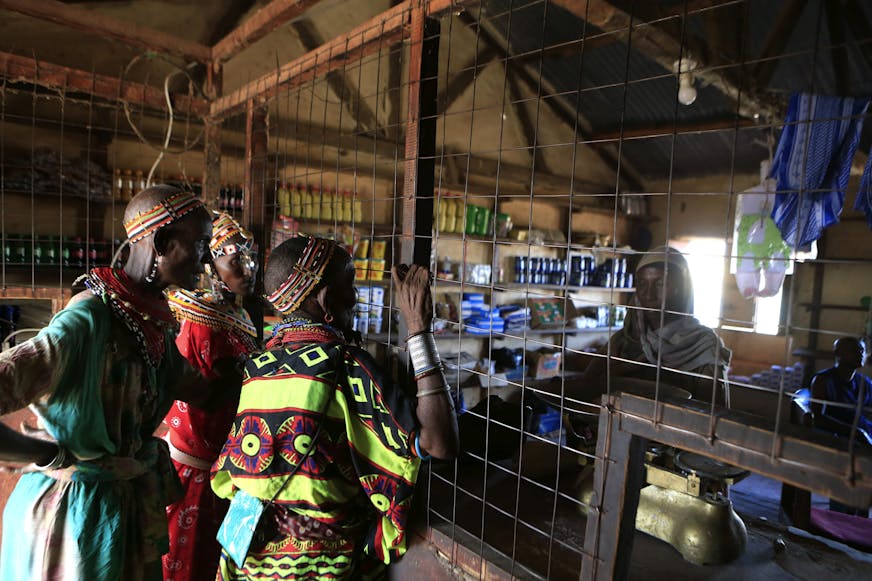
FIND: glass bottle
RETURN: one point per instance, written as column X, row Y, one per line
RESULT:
column 139, row 182
column 117, row 184
column 127, row 185
column 37, row 249
column 77, row 256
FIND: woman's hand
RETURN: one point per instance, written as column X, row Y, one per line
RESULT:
column 412, row 285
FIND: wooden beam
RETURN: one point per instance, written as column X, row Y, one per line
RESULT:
column 611, row 516
column 254, row 208
column 263, row 22
column 464, row 77
column 664, row 49
column 666, row 129
column 776, row 40
column 99, row 24
column 43, row 74
column 529, row 131
column 561, row 107
column 348, row 95
column 385, row 29
column 419, row 171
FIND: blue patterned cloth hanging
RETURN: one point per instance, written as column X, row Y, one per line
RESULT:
column 813, row 162
column 864, row 196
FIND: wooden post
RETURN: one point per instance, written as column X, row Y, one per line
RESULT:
column 212, row 137
column 254, row 212
column 611, row 516
column 420, row 162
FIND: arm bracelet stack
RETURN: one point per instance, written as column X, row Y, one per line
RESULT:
column 424, row 355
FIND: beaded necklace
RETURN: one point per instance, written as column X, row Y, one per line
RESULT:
column 297, row 329
column 145, row 318
column 206, row 308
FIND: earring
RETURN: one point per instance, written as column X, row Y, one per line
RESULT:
column 153, row 274
column 215, row 281
column 328, row 318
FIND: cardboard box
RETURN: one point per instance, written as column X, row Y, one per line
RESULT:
column 546, row 312
column 544, row 364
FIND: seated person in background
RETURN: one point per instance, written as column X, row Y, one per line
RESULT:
column 323, row 439
column 661, row 330
column 843, row 384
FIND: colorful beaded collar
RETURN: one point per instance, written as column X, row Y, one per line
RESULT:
column 200, row 306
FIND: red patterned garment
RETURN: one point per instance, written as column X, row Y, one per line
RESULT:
column 210, row 331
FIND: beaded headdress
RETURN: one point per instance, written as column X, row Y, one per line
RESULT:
column 225, row 227
column 305, row 275
column 166, row 212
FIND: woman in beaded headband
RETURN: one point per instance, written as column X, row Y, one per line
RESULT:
column 169, row 231
column 335, row 507
column 320, row 283
column 212, row 327
column 234, row 257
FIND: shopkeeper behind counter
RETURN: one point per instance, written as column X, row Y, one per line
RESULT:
column 660, row 331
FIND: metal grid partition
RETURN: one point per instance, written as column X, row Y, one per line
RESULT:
column 532, row 153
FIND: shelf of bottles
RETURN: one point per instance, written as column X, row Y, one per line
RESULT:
column 577, row 271
column 44, row 251
column 307, row 202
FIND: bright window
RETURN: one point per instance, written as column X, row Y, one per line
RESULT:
column 705, row 258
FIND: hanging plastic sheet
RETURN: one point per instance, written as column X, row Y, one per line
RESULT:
column 813, row 162
column 761, row 253
column 864, row 196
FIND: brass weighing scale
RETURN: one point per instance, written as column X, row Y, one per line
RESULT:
column 685, row 499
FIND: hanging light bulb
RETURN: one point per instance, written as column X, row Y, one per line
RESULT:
column 686, row 91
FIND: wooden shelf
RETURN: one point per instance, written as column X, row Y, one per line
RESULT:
column 37, row 196
column 362, row 227
column 460, row 286
column 813, row 307
column 521, row 335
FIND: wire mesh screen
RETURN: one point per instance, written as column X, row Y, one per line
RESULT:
column 333, row 153
column 667, row 200
column 73, row 151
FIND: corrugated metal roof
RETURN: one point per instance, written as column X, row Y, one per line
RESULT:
column 641, row 93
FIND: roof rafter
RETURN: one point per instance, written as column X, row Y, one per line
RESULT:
column 559, row 106
column 98, row 24
column 664, row 49
column 264, row 21
column 338, row 80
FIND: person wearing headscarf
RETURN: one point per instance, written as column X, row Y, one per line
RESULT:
column 213, row 328
column 323, row 455
column 100, row 377
column 661, row 332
